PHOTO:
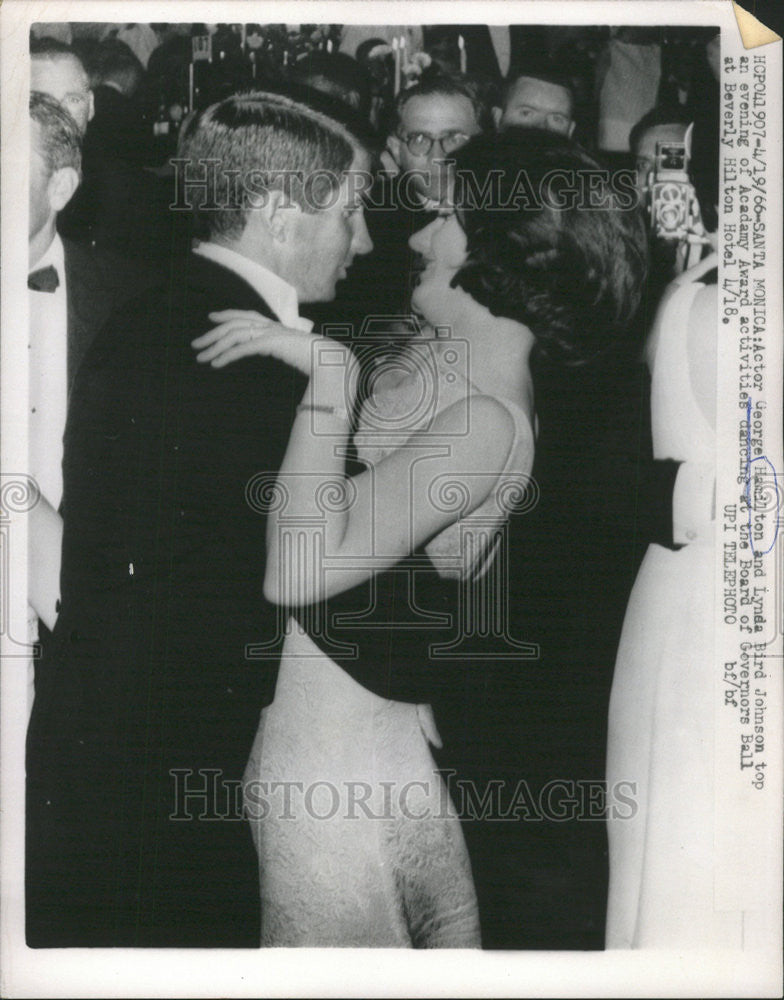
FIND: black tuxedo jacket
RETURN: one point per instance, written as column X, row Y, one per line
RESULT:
column 97, row 283
column 145, row 695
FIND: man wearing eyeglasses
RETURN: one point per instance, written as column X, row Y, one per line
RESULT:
column 434, row 119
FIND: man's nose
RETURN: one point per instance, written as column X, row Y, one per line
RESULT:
column 439, row 156
column 362, row 242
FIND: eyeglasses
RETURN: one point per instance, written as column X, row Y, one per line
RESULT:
column 420, row 143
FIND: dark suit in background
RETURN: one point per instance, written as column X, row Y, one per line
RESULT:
column 97, row 283
column 146, row 672
column 121, row 206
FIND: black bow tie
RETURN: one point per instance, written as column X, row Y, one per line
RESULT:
column 43, row 280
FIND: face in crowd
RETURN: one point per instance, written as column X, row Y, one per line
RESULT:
column 50, row 191
column 431, row 128
column 534, row 103
column 64, row 79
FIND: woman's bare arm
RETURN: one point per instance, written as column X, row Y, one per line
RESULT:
column 333, row 532
column 327, row 532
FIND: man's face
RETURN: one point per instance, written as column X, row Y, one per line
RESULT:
column 65, row 80
column 325, row 242
column 646, row 150
column 538, row 104
column 449, row 118
column 40, row 204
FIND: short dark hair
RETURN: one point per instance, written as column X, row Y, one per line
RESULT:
column 448, row 85
column 574, row 274
column 61, row 141
column 537, row 69
column 53, row 50
column 272, row 139
column 668, row 114
column 333, row 107
column 112, row 61
column 337, row 74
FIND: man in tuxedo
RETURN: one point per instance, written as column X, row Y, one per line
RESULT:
column 146, row 703
column 73, row 289
column 120, row 206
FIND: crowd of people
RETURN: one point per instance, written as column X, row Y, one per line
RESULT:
column 356, row 401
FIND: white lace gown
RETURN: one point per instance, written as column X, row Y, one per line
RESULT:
column 359, row 843
column 661, row 733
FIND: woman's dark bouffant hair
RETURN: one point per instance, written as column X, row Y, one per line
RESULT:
column 553, row 240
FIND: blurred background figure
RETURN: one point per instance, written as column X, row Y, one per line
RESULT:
column 337, row 75
column 141, row 39
column 118, row 130
column 537, row 96
column 660, row 125
column 73, row 290
column 627, row 86
column 59, row 31
column 56, row 70
column 353, row 35
column 121, row 207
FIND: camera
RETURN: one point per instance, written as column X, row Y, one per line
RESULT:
column 672, row 202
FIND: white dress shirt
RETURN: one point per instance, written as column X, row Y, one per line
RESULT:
column 48, row 378
column 279, row 295
column 47, row 399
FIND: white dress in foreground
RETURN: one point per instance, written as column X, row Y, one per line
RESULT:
column 661, row 729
